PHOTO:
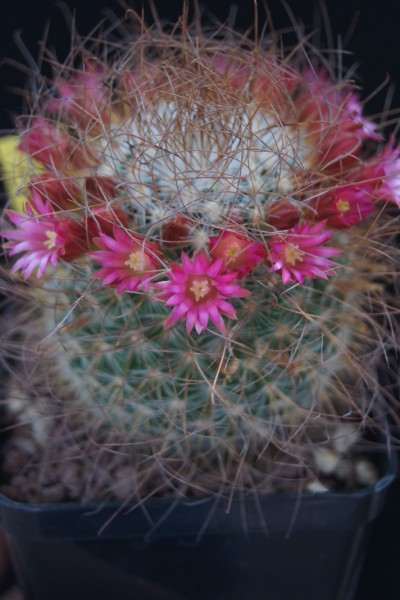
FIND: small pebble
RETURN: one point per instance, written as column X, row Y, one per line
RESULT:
column 124, row 483
column 326, row 460
column 316, row 487
column 345, row 437
column 366, row 473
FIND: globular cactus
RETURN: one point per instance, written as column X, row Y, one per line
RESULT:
column 205, row 257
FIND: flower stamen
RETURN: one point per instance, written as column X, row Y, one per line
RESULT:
column 293, row 254
column 128, row 260
column 135, row 261
column 232, row 252
column 343, row 206
column 198, row 292
column 50, row 243
column 200, row 288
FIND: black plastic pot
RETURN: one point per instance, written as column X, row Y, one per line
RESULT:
column 281, row 547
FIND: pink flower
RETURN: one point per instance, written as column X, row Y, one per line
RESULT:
column 62, row 192
column 128, row 260
column 197, row 291
column 46, row 144
column 84, row 98
column 40, row 235
column 100, row 188
column 333, row 116
column 364, row 125
column 55, row 148
column 301, row 253
column 282, row 215
column 237, row 252
column 65, row 193
column 344, row 207
column 382, row 174
column 102, row 219
column 176, row 232
column 390, row 164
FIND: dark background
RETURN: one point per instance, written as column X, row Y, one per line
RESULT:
column 375, row 46
column 374, row 42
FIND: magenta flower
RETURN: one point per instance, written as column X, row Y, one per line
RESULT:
column 382, row 174
column 63, row 193
column 83, row 98
column 46, row 144
column 238, row 253
column 282, row 215
column 302, row 253
column 128, row 260
column 333, row 116
column 391, row 180
column 40, row 234
column 198, row 292
column 344, row 207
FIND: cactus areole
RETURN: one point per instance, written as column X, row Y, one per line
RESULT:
column 202, row 273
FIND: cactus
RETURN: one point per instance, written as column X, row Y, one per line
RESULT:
column 203, row 268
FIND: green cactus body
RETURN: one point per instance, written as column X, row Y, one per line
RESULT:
column 164, row 398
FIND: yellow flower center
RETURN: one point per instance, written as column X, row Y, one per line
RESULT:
column 200, row 288
column 232, row 252
column 293, row 254
column 50, row 243
column 136, row 261
column 343, row 206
